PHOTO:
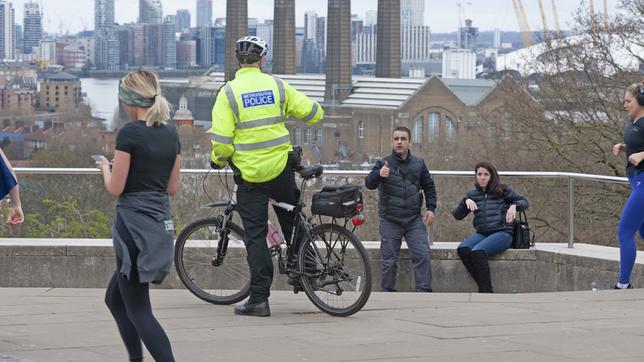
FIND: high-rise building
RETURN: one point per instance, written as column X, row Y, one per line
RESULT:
column 205, row 42
column 365, row 49
column 154, row 40
column 150, row 12
column 48, row 51
column 204, row 13
column 7, row 31
column 220, row 47
column 132, row 46
column 107, row 50
column 320, row 36
column 236, row 27
column 415, row 43
column 32, row 27
column 103, row 14
column 252, row 26
column 311, row 57
column 338, row 51
column 182, row 21
column 356, row 26
column 170, row 42
column 468, row 36
column 265, row 31
column 186, row 53
column 285, row 50
column 497, row 38
column 371, row 18
column 310, row 25
column 412, row 12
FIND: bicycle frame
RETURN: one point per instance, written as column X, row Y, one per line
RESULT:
column 300, row 220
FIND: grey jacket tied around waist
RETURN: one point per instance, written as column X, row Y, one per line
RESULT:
column 147, row 217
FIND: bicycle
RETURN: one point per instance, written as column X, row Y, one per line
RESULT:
column 331, row 265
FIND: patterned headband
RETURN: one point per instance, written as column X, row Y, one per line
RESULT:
column 132, row 98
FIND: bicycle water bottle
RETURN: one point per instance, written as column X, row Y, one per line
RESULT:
column 273, row 237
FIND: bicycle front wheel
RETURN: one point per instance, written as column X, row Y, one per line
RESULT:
column 194, row 251
column 336, row 274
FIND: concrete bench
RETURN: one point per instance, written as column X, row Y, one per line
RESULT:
column 89, row 263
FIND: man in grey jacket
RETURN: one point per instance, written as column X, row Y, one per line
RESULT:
column 402, row 180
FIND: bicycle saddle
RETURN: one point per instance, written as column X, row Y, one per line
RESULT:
column 309, row 172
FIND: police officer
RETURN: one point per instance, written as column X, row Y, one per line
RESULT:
column 248, row 130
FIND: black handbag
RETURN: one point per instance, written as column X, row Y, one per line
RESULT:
column 339, row 202
column 522, row 237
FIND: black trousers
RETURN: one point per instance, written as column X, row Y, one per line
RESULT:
column 252, row 206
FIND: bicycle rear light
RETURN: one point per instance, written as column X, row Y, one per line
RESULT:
column 358, row 220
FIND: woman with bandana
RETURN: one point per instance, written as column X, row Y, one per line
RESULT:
column 144, row 172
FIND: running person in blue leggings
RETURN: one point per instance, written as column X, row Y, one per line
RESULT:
column 632, row 218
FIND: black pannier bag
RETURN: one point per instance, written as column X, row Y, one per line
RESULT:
column 521, row 234
column 340, row 202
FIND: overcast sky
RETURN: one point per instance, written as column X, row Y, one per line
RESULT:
column 440, row 15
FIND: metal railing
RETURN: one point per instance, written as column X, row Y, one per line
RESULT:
column 569, row 176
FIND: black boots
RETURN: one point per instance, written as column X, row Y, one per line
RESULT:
column 466, row 257
column 261, row 309
column 482, row 270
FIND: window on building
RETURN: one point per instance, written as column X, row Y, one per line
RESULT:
column 417, row 132
column 307, row 136
column 506, row 130
column 298, row 136
column 450, row 128
column 434, row 125
column 360, row 129
column 318, row 136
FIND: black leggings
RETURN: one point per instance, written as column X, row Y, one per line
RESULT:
column 129, row 303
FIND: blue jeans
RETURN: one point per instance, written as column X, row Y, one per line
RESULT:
column 415, row 234
column 630, row 222
column 491, row 244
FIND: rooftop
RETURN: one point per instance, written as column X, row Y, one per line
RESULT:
column 388, row 93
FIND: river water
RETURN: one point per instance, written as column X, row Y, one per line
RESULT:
column 102, row 96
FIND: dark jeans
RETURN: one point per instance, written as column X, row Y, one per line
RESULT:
column 415, row 234
column 492, row 244
column 252, row 206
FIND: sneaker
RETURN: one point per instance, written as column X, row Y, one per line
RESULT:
column 630, row 286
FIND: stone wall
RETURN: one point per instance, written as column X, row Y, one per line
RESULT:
column 89, row 264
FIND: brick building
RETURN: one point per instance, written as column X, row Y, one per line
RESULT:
column 452, row 120
column 60, row 91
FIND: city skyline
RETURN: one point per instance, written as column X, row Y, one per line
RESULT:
column 441, row 16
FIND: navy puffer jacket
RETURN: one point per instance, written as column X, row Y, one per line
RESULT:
column 490, row 216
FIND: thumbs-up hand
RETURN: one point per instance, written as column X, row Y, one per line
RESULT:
column 384, row 170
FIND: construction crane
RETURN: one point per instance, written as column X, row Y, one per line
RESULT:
column 523, row 23
column 460, row 11
column 460, row 18
column 546, row 32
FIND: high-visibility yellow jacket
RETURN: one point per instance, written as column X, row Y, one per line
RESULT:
column 248, row 123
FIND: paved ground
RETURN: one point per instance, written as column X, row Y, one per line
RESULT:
column 74, row 325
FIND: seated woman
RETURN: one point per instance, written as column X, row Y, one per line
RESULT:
column 495, row 206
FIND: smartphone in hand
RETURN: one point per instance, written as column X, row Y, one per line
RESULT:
column 96, row 157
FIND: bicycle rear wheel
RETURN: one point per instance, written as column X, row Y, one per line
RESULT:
column 336, row 271
column 194, row 251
